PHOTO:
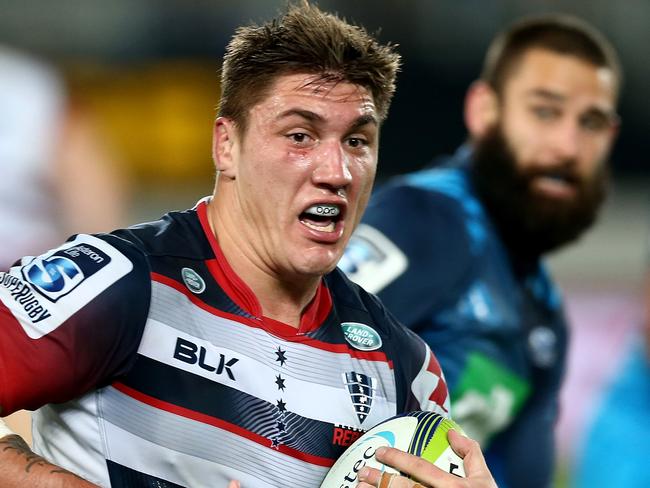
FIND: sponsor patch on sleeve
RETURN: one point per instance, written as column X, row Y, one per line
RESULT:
column 46, row 290
column 372, row 260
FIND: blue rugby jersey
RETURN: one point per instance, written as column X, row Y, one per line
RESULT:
column 151, row 364
column 429, row 250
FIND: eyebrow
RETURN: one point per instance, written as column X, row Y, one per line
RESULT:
column 547, row 94
column 314, row 117
column 557, row 97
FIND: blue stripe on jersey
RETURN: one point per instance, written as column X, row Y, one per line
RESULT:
column 227, row 404
column 455, row 184
column 123, row 477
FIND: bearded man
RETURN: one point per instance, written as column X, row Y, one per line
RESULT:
column 455, row 250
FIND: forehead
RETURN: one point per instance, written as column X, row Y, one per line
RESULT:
column 567, row 75
column 314, row 92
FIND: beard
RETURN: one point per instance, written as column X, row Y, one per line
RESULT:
column 530, row 223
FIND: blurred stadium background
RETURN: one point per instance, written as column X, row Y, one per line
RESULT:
column 147, row 71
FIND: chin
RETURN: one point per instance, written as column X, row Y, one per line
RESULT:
column 319, row 263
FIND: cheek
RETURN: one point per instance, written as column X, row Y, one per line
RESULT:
column 520, row 143
column 364, row 171
column 594, row 158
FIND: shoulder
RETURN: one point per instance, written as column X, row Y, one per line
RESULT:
column 421, row 233
column 175, row 234
column 43, row 292
column 426, row 203
column 349, row 297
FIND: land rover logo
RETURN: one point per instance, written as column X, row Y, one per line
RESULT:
column 193, row 281
column 361, row 336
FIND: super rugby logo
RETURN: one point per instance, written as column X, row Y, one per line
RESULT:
column 57, row 275
column 54, row 274
column 24, row 296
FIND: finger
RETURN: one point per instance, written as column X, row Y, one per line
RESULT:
column 234, row 484
column 416, row 467
column 374, row 478
column 473, row 460
column 370, row 476
column 469, row 450
column 461, row 444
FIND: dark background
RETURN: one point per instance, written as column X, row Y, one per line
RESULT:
column 442, row 43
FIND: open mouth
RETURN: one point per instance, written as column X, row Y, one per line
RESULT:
column 559, row 184
column 322, row 217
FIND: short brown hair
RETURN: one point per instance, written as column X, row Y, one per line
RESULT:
column 560, row 33
column 303, row 40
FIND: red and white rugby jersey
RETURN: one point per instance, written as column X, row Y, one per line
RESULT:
column 153, row 365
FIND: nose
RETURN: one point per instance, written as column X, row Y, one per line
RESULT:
column 332, row 168
column 566, row 139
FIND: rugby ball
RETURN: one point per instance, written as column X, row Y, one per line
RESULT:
column 422, row 434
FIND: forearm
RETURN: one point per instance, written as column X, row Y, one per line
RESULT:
column 20, row 467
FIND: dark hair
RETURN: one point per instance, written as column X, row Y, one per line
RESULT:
column 560, row 33
column 303, row 40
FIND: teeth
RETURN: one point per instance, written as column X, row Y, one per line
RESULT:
column 331, row 227
column 323, row 210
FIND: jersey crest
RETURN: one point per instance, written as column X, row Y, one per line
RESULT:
column 361, row 388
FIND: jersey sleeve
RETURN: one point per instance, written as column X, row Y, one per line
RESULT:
column 420, row 382
column 70, row 320
column 429, row 390
column 403, row 251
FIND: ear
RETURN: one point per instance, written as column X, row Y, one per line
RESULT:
column 224, row 145
column 481, row 109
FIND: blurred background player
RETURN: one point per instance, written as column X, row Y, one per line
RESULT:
column 616, row 446
column 454, row 250
column 58, row 176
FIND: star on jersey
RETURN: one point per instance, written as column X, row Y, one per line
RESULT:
column 281, row 356
column 279, row 380
column 361, row 388
column 282, row 406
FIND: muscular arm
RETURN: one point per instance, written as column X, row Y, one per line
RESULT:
column 20, row 467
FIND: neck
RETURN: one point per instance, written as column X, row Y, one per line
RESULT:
column 282, row 298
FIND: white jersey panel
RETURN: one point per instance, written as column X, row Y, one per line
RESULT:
column 56, row 441
column 191, row 453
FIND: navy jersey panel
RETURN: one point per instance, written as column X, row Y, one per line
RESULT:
column 418, row 221
column 429, row 250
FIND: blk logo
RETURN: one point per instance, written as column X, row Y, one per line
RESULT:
column 192, row 353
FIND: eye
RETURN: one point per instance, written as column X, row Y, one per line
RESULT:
column 545, row 113
column 595, row 121
column 299, row 138
column 356, row 142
